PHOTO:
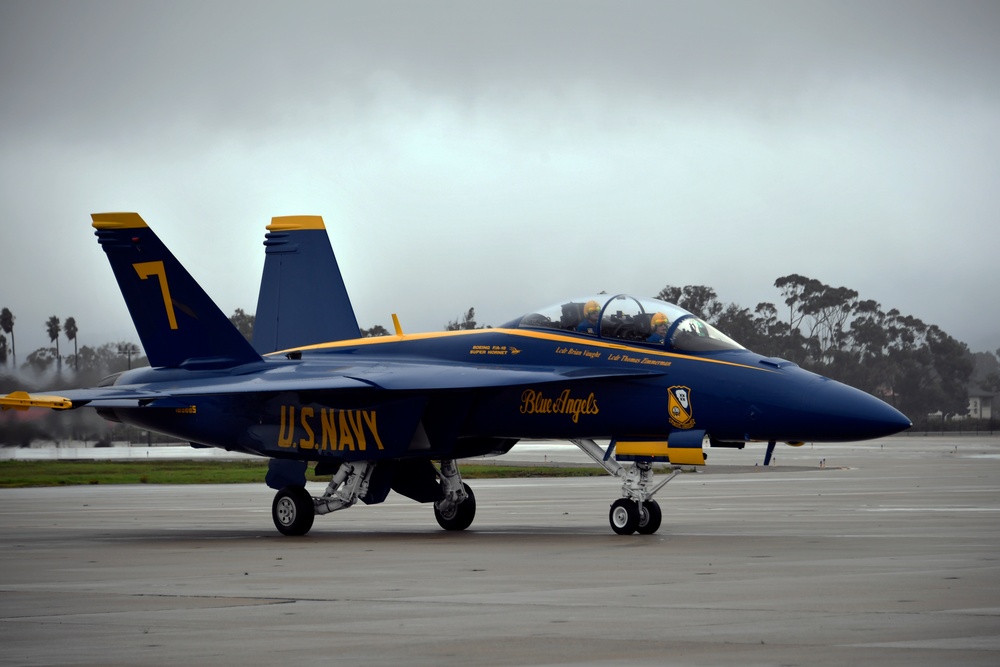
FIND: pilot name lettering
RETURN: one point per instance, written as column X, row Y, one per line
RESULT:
column 326, row 429
column 576, row 352
column 644, row 361
column 537, row 403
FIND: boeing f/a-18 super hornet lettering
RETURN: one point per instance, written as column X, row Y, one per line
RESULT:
column 396, row 413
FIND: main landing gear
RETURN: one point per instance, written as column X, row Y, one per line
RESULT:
column 457, row 507
column 635, row 511
column 294, row 509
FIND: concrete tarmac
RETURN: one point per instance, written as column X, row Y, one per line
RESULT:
column 888, row 555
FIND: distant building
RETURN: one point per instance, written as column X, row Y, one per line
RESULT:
column 980, row 405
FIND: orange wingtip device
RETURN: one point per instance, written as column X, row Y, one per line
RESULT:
column 22, row 400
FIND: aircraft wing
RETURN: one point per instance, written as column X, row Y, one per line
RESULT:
column 439, row 377
column 410, row 377
column 73, row 398
column 127, row 396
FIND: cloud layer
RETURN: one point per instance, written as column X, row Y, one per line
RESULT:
column 505, row 155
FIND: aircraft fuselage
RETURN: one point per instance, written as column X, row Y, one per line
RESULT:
column 634, row 392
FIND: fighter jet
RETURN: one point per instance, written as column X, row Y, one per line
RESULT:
column 398, row 412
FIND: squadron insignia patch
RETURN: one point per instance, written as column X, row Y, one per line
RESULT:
column 679, row 407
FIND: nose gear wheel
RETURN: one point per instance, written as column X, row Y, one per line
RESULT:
column 635, row 511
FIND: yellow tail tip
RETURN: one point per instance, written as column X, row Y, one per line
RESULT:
column 117, row 221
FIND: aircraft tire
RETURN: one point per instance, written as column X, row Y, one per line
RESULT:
column 650, row 518
column 461, row 516
column 293, row 511
column 624, row 516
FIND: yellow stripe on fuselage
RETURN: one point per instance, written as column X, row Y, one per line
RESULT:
column 117, row 221
column 522, row 333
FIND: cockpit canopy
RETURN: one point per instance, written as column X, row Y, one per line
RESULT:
column 632, row 320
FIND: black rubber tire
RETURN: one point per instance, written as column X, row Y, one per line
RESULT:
column 461, row 517
column 293, row 511
column 624, row 516
column 650, row 518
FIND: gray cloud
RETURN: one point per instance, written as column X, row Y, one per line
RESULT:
column 503, row 155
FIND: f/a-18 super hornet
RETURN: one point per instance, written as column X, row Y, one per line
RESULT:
column 398, row 412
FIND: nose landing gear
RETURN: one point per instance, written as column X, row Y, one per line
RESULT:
column 627, row 516
column 635, row 511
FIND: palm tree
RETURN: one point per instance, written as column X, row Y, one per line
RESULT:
column 53, row 327
column 7, row 324
column 70, row 329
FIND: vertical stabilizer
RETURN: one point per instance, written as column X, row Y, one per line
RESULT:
column 178, row 324
column 302, row 298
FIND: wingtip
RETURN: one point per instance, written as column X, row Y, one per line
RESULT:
column 22, row 400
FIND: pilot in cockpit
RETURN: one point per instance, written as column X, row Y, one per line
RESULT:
column 591, row 313
column 658, row 323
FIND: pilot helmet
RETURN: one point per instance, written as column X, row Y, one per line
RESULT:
column 657, row 320
column 591, row 307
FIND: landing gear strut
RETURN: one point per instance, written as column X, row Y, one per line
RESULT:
column 294, row 510
column 635, row 511
column 457, row 507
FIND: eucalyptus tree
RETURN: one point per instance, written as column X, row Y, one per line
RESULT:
column 375, row 332
column 467, row 321
column 699, row 300
column 243, row 323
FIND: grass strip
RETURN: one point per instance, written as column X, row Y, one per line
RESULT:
column 18, row 474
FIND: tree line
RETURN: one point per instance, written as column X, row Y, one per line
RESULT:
column 87, row 365
column 916, row 367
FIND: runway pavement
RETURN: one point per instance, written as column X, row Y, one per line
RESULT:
column 888, row 555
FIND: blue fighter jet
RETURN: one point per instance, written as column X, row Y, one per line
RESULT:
column 397, row 412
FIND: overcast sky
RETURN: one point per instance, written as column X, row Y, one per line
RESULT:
column 505, row 155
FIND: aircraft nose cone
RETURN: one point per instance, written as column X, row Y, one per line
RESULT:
column 843, row 413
